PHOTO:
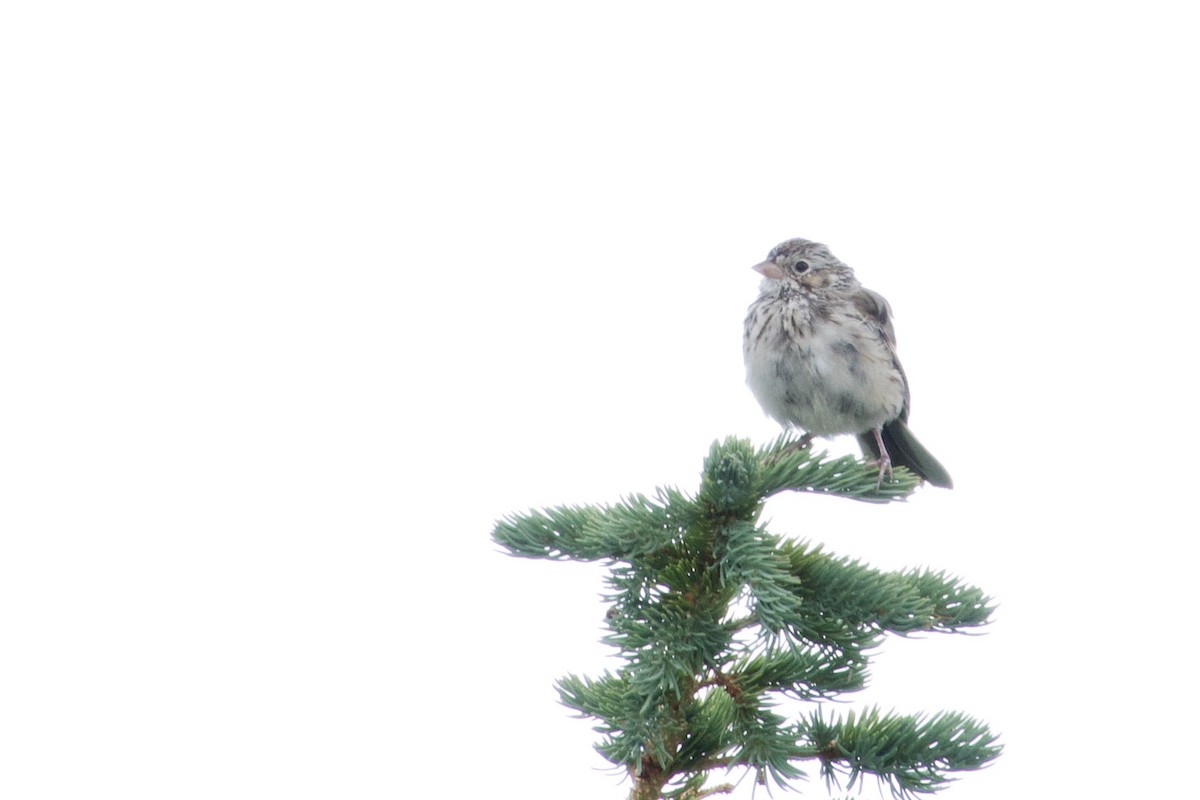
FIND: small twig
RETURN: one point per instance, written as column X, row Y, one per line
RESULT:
column 725, row 682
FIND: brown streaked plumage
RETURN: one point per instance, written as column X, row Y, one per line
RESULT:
column 820, row 355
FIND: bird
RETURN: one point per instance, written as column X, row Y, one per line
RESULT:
column 820, row 353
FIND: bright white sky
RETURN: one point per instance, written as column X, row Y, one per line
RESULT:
column 298, row 298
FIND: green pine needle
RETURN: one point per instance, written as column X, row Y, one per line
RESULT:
column 715, row 620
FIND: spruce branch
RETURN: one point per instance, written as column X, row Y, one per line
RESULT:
column 789, row 467
column 717, row 619
column 910, row 753
column 903, row 602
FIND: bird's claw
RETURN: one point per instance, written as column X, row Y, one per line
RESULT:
column 793, row 447
column 885, row 460
column 885, row 468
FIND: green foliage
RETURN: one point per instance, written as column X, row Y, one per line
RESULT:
column 909, row 753
column 717, row 620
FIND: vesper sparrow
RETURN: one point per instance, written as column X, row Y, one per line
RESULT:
column 821, row 355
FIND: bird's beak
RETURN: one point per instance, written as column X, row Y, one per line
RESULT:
column 769, row 269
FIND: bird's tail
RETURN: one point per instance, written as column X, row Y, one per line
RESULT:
column 906, row 451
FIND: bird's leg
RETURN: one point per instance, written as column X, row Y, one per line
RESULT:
column 885, row 461
column 794, row 447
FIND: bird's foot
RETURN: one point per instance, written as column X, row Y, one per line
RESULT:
column 793, row 447
column 884, row 461
column 885, row 468
column 801, row 443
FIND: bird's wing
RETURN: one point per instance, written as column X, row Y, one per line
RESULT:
column 875, row 308
column 878, row 313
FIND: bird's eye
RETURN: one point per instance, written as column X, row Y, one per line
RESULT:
column 801, row 266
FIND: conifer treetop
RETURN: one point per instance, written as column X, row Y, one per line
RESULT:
column 717, row 620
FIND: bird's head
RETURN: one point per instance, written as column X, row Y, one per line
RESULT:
column 805, row 265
